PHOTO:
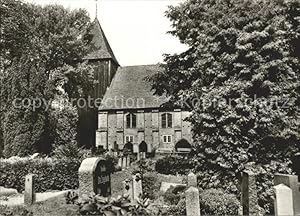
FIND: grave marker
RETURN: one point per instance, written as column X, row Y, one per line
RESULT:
column 283, row 200
column 292, row 182
column 192, row 202
column 137, row 186
column 249, row 194
column 29, row 194
column 192, row 180
column 94, row 177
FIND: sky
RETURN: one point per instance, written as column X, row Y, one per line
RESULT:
column 135, row 29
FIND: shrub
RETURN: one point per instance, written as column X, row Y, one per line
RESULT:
column 175, row 165
column 51, row 174
column 176, row 210
column 217, row 202
column 174, row 194
column 151, row 185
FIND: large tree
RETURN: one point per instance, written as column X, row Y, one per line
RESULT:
column 240, row 78
column 41, row 58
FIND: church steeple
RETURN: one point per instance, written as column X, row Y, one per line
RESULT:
column 99, row 47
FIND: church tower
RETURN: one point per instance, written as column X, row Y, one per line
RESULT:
column 101, row 57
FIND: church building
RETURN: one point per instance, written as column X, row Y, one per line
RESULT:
column 129, row 111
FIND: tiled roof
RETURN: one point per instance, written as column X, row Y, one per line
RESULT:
column 99, row 47
column 130, row 89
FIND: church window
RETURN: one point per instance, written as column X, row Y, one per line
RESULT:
column 131, row 120
column 129, row 138
column 166, row 120
column 167, row 139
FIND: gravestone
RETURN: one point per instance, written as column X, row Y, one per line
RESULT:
column 283, row 202
column 192, row 180
column 192, row 201
column 127, row 189
column 29, row 194
column 94, row 177
column 249, row 194
column 292, row 182
column 128, row 161
column 137, row 186
column 124, row 162
column 120, row 161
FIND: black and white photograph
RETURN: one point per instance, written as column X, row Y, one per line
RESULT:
column 149, row 107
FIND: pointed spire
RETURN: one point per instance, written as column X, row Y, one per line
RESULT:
column 99, row 47
column 96, row 9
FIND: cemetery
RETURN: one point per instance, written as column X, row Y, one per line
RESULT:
column 217, row 132
column 136, row 188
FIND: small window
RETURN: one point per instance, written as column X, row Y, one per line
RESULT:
column 129, row 138
column 131, row 120
column 167, row 139
column 166, row 120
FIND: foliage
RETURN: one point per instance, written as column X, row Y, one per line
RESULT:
column 51, row 174
column 97, row 205
column 174, row 194
column 217, row 202
column 240, row 78
column 41, row 54
column 15, row 211
column 176, row 210
column 174, row 165
column 151, row 185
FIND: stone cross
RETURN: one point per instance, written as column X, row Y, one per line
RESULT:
column 283, row 200
column 249, row 199
column 292, row 182
column 137, row 186
column 192, row 179
column 192, row 202
column 29, row 194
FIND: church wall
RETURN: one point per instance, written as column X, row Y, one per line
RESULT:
column 112, row 128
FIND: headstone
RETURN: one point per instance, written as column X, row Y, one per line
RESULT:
column 124, row 162
column 192, row 201
column 137, row 186
column 29, row 194
column 283, row 200
column 127, row 189
column 292, row 182
column 192, row 180
column 138, row 156
column 143, row 155
column 94, row 177
column 120, row 162
column 249, row 194
column 128, row 161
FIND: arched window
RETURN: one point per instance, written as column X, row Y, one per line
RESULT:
column 166, row 120
column 131, row 120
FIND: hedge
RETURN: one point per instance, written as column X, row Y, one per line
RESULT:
column 172, row 165
column 51, row 174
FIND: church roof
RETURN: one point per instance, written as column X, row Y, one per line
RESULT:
column 129, row 89
column 99, row 47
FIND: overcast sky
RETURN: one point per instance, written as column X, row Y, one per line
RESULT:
column 135, row 29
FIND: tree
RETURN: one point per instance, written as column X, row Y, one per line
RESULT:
column 240, row 79
column 41, row 55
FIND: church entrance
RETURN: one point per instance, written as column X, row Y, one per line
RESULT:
column 143, row 147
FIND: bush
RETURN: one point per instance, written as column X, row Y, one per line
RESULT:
column 174, row 194
column 175, row 165
column 51, row 174
column 176, row 210
column 217, row 202
column 151, row 185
